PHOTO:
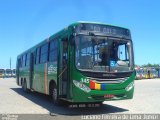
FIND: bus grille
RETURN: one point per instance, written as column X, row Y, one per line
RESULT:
column 117, row 80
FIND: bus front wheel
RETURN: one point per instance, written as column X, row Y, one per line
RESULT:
column 54, row 95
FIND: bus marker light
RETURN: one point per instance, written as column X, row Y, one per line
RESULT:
column 91, row 85
column 81, row 86
column 97, row 86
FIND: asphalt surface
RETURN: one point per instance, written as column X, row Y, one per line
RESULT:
column 14, row 101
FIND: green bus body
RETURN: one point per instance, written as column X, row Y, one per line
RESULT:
column 74, row 84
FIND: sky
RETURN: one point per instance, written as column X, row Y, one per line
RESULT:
column 24, row 23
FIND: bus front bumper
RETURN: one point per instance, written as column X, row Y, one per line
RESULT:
column 105, row 95
column 111, row 95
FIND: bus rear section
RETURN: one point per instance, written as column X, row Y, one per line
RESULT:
column 149, row 73
column 154, row 73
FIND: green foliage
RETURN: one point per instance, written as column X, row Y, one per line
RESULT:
column 151, row 65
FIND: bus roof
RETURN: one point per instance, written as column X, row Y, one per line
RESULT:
column 90, row 22
column 59, row 33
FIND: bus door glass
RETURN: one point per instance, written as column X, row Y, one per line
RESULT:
column 63, row 74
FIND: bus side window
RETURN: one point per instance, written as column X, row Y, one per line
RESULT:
column 34, row 54
column 24, row 60
column 53, row 51
column 27, row 59
column 37, row 55
column 44, row 53
column 19, row 63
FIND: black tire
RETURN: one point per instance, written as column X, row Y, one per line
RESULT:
column 53, row 94
column 24, row 87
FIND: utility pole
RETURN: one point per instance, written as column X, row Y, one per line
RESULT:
column 10, row 62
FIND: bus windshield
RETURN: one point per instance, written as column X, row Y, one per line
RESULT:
column 102, row 54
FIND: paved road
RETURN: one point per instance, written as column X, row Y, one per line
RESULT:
column 14, row 101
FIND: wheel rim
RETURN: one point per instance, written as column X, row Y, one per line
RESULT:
column 54, row 95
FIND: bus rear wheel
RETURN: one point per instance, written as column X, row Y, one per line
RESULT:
column 24, row 86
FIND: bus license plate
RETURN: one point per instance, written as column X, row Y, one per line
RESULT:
column 108, row 96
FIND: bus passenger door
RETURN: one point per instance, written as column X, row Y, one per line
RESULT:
column 63, row 74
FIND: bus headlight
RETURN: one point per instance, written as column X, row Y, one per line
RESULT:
column 130, row 86
column 81, row 86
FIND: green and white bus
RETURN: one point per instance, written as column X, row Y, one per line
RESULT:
column 85, row 62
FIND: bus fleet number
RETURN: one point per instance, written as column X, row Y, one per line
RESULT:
column 84, row 80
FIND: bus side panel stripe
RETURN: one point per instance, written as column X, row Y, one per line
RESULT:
column 91, row 85
column 103, row 86
column 97, row 86
column 45, row 78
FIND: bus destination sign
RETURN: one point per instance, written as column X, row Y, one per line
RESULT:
column 104, row 29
